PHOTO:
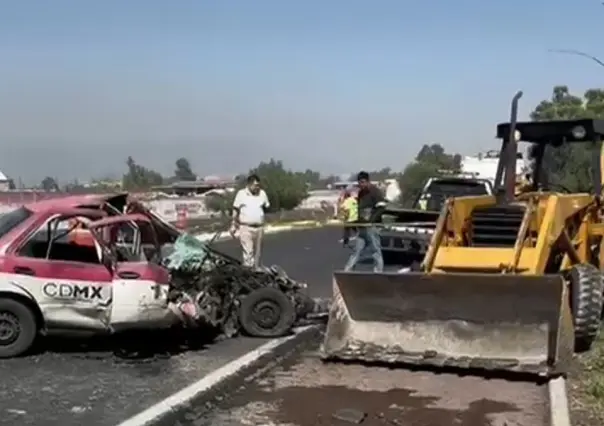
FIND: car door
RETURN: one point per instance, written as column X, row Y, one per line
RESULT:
column 140, row 292
column 140, row 286
column 69, row 282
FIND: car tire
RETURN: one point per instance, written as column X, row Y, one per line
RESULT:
column 266, row 312
column 18, row 328
column 586, row 304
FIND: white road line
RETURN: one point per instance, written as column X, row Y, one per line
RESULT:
column 187, row 394
column 558, row 402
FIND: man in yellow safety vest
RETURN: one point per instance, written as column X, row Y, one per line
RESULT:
column 349, row 211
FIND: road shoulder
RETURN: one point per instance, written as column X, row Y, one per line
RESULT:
column 304, row 391
column 586, row 387
column 220, row 381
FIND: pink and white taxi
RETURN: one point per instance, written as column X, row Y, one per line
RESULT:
column 60, row 269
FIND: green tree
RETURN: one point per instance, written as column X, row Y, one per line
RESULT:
column 75, row 187
column 49, row 184
column 376, row 175
column 183, row 170
column 311, row 177
column 431, row 161
column 220, row 203
column 569, row 166
column 285, row 189
column 314, row 179
column 327, row 180
column 382, row 174
column 139, row 177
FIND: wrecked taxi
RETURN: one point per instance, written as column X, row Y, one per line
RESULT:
column 104, row 263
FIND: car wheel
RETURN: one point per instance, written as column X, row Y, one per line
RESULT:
column 18, row 328
column 266, row 312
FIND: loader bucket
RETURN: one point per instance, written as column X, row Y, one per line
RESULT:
column 484, row 321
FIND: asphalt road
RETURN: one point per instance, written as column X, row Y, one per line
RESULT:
column 304, row 391
column 72, row 384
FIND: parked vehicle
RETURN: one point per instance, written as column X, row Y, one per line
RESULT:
column 405, row 242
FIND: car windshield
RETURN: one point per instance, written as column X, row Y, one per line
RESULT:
column 457, row 188
column 9, row 220
column 439, row 190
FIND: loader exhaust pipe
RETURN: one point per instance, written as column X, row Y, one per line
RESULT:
column 507, row 163
column 512, row 150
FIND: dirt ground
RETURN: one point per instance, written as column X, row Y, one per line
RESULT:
column 306, row 392
column 586, row 387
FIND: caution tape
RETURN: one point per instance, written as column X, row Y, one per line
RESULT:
column 422, row 228
column 415, row 227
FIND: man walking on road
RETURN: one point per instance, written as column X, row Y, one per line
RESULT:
column 248, row 220
column 371, row 205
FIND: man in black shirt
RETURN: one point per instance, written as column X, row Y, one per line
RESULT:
column 367, row 244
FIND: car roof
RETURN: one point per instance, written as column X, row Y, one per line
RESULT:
column 111, row 220
column 458, row 179
column 554, row 130
column 94, row 214
column 69, row 202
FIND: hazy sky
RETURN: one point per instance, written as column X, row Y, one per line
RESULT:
column 333, row 85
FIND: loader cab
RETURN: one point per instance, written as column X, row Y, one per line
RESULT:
column 498, row 224
column 545, row 138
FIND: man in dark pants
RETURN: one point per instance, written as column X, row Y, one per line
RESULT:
column 367, row 244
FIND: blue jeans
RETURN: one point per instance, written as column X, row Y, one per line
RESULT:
column 367, row 245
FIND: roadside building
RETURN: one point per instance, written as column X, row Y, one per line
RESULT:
column 4, row 182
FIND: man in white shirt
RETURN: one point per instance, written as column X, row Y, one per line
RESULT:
column 248, row 219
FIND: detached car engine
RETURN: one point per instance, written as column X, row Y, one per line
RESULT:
column 216, row 292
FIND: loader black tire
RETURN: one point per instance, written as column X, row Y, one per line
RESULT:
column 266, row 312
column 586, row 299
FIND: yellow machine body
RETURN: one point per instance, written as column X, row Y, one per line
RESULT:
column 476, row 303
column 509, row 282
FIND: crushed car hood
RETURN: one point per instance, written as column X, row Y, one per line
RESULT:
column 190, row 255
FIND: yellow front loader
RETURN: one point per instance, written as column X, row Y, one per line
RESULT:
column 510, row 281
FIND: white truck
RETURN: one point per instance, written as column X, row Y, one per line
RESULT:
column 405, row 241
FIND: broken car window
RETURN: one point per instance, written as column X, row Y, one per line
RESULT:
column 438, row 191
column 68, row 241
